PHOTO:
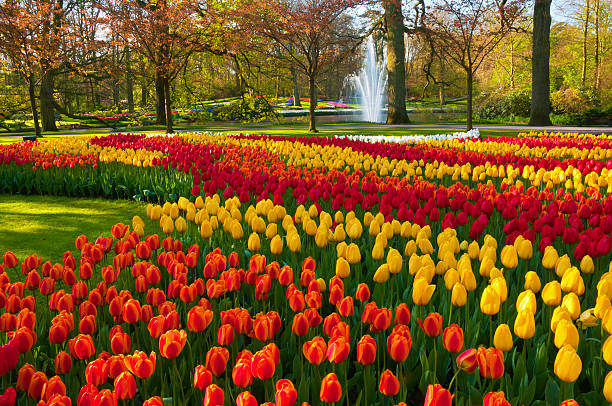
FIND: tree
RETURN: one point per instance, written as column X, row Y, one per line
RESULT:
column 314, row 36
column 396, row 69
column 466, row 31
column 540, row 64
column 31, row 48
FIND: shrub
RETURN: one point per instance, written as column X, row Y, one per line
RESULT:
column 248, row 109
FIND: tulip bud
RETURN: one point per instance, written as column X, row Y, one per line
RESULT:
column 437, row 395
column 389, row 384
column 566, row 333
column 452, row 338
column 509, row 257
column 607, row 389
column 568, row 364
column 532, row 282
column 551, row 294
column 524, row 324
column 549, row 260
column 503, row 338
column 489, row 301
column 459, row 295
column 331, row 391
column 467, row 361
column 422, row 291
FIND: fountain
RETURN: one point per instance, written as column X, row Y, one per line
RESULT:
column 371, row 83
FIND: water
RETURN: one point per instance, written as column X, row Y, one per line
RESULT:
column 371, row 83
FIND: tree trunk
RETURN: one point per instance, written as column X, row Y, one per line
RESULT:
column 470, row 92
column 597, row 67
column 160, row 118
column 396, row 70
column 312, row 90
column 33, row 106
column 169, row 129
column 512, row 84
column 441, row 95
column 129, row 80
column 296, row 89
column 540, row 68
column 47, row 111
column 585, row 37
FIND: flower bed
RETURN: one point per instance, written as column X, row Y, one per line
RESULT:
column 326, row 270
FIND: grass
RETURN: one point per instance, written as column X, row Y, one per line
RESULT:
column 48, row 225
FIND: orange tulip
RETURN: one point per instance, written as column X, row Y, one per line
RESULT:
column 82, row 347
column 154, row 401
column 402, row 314
column 202, row 377
column 140, row 364
column 198, row 319
column 246, row 399
column 437, row 396
column 331, row 391
column 263, row 366
column 300, row 325
column 214, row 396
column 398, row 346
column 495, row 399
column 24, row 376
column 490, row 363
column 467, row 361
column 121, row 343
column 63, row 363
column 216, row 360
column 37, row 384
column 363, row 293
column 96, row 372
column 171, row 343
column 225, row 335
column 389, row 384
column 453, row 338
column 338, row 349
column 125, row 386
column 285, row 395
column 241, row 374
column 315, row 350
column 366, row 350
column 432, row 325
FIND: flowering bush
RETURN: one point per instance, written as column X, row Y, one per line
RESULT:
column 324, row 270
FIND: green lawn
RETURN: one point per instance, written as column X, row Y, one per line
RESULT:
column 48, row 225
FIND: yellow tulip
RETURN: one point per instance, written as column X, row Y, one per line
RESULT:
column 294, row 242
column 410, row 248
column 310, row 227
column 378, row 251
column 468, row 280
column 343, row 269
column 276, row 245
column 199, row 203
column 422, row 291
column 566, row 333
column 322, row 284
column 502, row 340
column 568, row 364
column 206, row 229
column 425, row 246
column 549, row 260
column 156, row 212
column 341, row 250
column 459, row 295
column 559, row 314
column 562, row 265
column 486, row 265
column 259, row 226
column 473, row 250
column 607, row 389
column 526, row 300
column 587, row 319
column 374, row 229
column 570, row 282
column 322, row 236
column 524, row 324
column 489, row 301
column 464, row 245
column 501, row 287
column 236, row 230
column 427, row 272
column 339, row 217
column 524, row 249
column 174, row 211
column 166, row 208
column 353, row 255
column 354, row 229
column 551, row 294
column 509, row 258
column 602, row 305
column 394, row 259
column 464, row 264
column 254, row 243
column 571, row 303
column 586, row 265
column 339, row 233
column 451, row 277
column 382, row 274
column 532, row 282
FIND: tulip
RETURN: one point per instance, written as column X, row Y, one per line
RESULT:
column 532, row 282
column 524, row 324
column 263, row 366
column 602, row 305
column 549, row 260
column 154, row 401
column 459, row 295
column 571, row 303
column 402, row 314
column 586, row 265
column 214, row 396
column 63, row 363
column 437, row 396
column 37, row 384
column 315, row 350
column 286, row 394
column 171, row 343
column 225, row 335
column 422, row 291
column 524, row 249
column 607, row 389
column 241, row 374
column 503, row 338
column 551, row 294
column 96, row 372
column 509, row 257
column 331, row 391
column 389, row 385
column 140, row 364
column 216, row 360
column 500, row 286
column 338, row 349
column 366, row 350
column 353, row 255
column 362, row 293
column 495, row 399
column 562, row 265
column 382, row 274
column 568, row 364
column 490, row 301
column 202, row 377
column 490, row 363
column 8, row 397
column 82, row 347
column 467, row 361
column 246, row 399
column 300, row 325
column 125, row 386
column 566, row 333
column 452, row 338
column 398, row 346
column 343, row 269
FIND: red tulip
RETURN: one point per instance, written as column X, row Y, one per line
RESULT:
column 216, row 360
column 432, row 325
column 366, row 350
column 490, row 362
column 246, row 399
column 499, row 399
column 315, row 350
column 331, row 391
column 140, row 364
column 467, row 361
column 453, row 338
column 285, row 395
column 437, row 396
column 389, row 384
column 202, row 377
column 214, row 396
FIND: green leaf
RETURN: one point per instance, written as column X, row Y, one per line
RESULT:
column 552, row 393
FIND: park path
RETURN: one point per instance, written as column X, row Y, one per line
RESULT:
column 458, row 127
